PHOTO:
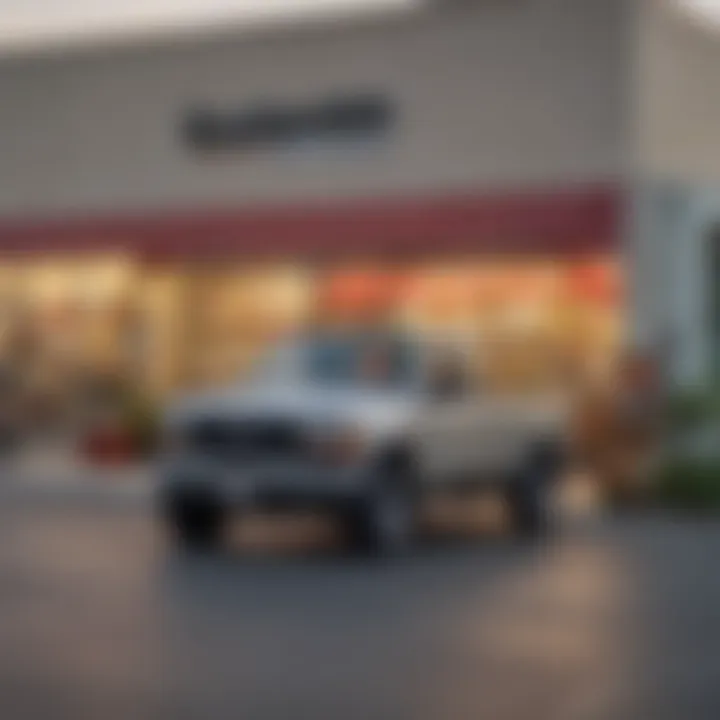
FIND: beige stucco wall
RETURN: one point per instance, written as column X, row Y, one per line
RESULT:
column 510, row 94
column 677, row 131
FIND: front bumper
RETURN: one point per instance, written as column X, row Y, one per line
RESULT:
column 267, row 484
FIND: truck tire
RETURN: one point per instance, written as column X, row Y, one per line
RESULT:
column 197, row 523
column 528, row 503
column 384, row 522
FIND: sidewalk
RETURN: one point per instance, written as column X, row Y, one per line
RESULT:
column 57, row 474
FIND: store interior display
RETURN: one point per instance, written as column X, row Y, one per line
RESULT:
column 529, row 324
column 235, row 315
column 526, row 323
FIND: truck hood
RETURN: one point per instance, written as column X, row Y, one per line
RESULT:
column 372, row 411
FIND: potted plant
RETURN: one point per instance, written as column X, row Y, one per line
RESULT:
column 140, row 422
column 122, row 425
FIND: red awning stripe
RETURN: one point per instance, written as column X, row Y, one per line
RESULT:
column 559, row 222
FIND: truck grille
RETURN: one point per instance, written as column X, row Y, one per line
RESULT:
column 247, row 439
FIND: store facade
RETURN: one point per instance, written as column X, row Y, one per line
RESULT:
column 530, row 282
column 177, row 208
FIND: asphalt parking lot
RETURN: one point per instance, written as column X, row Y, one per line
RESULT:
column 99, row 618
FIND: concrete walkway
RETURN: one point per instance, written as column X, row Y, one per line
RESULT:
column 56, row 473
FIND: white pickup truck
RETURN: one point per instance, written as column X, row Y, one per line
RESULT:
column 362, row 423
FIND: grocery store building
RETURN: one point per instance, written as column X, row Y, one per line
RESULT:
column 515, row 172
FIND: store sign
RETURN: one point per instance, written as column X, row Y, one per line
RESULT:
column 339, row 120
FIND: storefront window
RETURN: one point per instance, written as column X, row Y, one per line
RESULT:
column 525, row 323
column 233, row 315
column 64, row 320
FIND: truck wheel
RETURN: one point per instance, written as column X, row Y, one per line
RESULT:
column 196, row 523
column 528, row 501
column 384, row 523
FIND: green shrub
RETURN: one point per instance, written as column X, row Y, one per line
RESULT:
column 690, row 484
column 141, row 420
column 690, row 409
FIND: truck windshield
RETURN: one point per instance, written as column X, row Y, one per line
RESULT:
column 369, row 361
column 358, row 360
